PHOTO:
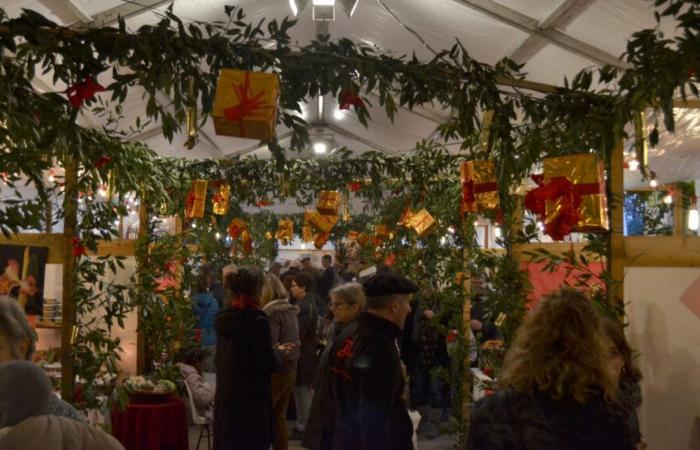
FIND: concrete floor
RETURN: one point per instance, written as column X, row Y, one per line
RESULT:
column 441, row 443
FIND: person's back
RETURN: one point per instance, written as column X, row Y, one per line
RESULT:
column 508, row 420
column 205, row 308
column 57, row 433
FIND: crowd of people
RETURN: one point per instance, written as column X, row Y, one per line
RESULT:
column 355, row 358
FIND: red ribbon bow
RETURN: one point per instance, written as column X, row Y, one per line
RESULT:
column 561, row 190
column 470, row 189
column 83, row 91
column 354, row 186
column 78, row 248
column 348, row 99
column 102, row 161
column 247, row 105
column 191, row 198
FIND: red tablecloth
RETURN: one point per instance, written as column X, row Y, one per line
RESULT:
column 152, row 426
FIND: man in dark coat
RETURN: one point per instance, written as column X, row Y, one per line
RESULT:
column 368, row 381
column 325, row 283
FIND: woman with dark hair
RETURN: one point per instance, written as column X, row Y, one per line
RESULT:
column 556, row 389
column 626, row 376
column 244, row 360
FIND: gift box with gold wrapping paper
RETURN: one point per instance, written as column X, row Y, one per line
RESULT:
column 246, row 104
column 328, row 202
column 320, row 240
column 236, row 227
column 322, row 222
column 405, row 219
column 220, row 199
column 422, row 222
column 196, row 199
column 285, row 231
column 479, row 187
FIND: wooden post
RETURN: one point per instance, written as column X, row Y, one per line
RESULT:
column 677, row 213
column 70, row 208
column 48, row 216
column 468, row 233
column 616, row 251
column 141, row 357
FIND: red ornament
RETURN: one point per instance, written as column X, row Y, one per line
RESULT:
column 78, row 248
column 102, row 161
column 354, row 186
column 348, row 99
column 82, row 92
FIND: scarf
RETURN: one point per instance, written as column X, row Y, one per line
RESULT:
column 245, row 301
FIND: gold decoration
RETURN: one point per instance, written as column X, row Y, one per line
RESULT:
column 500, row 319
column 236, row 228
column 328, row 202
column 245, row 104
column 221, row 200
column 307, row 233
column 485, row 135
column 269, row 236
column 586, row 173
column 194, row 205
column 285, row 231
column 422, row 222
column 382, row 232
column 346, row 206
column 191, row 115
column 404, row 220
column 479, row 187
column 322, row 223
column 320, row 240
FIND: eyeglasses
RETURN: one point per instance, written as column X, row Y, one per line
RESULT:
column 333, row 305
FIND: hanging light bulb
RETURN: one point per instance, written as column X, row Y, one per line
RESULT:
column 693, row 219
column 668, row 199
column 633, row 165
column 194, row 225
column 653, row 183
column 443, row 240
column 217, row 235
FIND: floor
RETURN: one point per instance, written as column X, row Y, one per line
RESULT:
column 441, row 443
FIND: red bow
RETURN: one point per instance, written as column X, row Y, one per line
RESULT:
column 102, row 161
column 191, row 198
column 234, row 231
column 348, row 99
column 78, row 248
column 84, row 91
column 354, row 186
column 568, row 197
column 247, row 104
column 470, row 189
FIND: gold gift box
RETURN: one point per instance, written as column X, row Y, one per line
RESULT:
column 328, row 202
column 196, row 200
column 479, row 186
column 320, row 240
column 285, row 231
column 404, row 220
column 382, row 232
column 245, row 104
column 422, row 222
column 236, row 228
column 587, row 173
column 321, row 222
column 221, row 200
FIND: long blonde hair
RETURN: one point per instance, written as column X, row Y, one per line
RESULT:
column 559, row 351
column 273, row 289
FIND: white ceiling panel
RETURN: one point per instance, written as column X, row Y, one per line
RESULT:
column 551, row 64
column 536, row 9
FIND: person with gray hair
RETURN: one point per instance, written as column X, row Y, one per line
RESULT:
column 18, row 342
column 25, row 423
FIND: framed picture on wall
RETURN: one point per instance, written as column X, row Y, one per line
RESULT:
column 22, row 272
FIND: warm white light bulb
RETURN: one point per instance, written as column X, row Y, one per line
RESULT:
column 653, row 183
column 497, row 232
column 443, row 240
column 540, row 225
column 320, row 148
column 338, row 114
column 451, row 230
column 693, row 219
column 668, row 199
column 218, row 235
column 633, row 165
column 51, row 179
column 194, row 225
column 303, row 246
column 476, row 223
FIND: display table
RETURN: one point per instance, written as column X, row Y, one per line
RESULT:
column 152, row 424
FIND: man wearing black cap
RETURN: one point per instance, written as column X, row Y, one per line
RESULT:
column 367, row 377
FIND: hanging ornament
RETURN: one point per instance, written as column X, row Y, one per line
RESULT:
column 285, row 231
column 348, row 99
column 246, row 104
column 83, row 92
column 320, row 240
column 78, row 248
column 247, row 241
column 236, row 227
column 641, row 141
column 485, row 134
column 355, row 186
column 328, row 202
column 196, row 198
column 101, row 162
column 220, row 199
column 479, row 186
column 382, row 232
column 422, row 222
column 346, row 206
column 322, row 223
column 191, row 114
column 405, row 219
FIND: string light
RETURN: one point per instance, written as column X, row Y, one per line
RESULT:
column 218, row 235
column 693, row 216
column 668, row 199
column 633, row 165
column 653, row 182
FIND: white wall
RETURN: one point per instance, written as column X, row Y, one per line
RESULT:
column 663, row 305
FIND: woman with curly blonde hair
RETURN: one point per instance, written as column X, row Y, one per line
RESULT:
column 556, row 388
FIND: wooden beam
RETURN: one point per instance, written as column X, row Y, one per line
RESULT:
column 54, row 242
column 529, row 25
column 616, row 251
column 125, row 10
column 662, row 251
column 117, row 247
column 560, row 18
column 70, row 231
column 689, row 103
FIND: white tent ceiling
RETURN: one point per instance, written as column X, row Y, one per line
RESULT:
column 554, row 38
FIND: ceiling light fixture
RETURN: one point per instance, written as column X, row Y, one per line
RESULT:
column 338, row 115
column 320, row 148
column 633, row 165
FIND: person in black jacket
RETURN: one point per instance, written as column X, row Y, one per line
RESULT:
column 244, row 360
column 368, row 379
column 325, row 283
column 556, row 391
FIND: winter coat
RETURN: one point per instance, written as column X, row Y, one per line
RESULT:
column 368, row 386
column 284, row 327
column 205, row 308
column 510, row 420
column 244, row 361
column 630, row 398
column 307, row 365
column 324, row 284
column 318, row 434
column 57, row 433
column 202, row 393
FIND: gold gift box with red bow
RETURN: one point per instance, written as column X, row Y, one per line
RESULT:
column 321, row 222
column 328, row 203
column 285, row 231
column 245, row 104
column 479, row 186
column 220, row 200
column 196, row 200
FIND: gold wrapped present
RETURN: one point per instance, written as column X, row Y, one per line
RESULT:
column 404, row 220
column 196, row 198
column 321, row 222
column 320, row 240
column 479, row 187
column 220, row 199
column 236, row 228
column 285, row 231
column 382, row 232
column 246, row 104
column 422, row 222
column 586, row 173
column 328, row 202
column 247, row 241
column 363, row 239
column 307, row 233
